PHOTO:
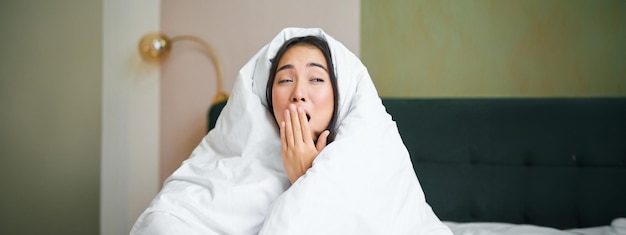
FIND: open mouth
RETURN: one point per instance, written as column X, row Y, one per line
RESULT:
column 308, row 117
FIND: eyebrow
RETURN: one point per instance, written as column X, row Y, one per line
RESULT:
column 287, row 66
column 312, row 64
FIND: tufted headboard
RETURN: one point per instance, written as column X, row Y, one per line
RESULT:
column 558, row 162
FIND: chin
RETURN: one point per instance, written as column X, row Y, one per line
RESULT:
column 315, row 134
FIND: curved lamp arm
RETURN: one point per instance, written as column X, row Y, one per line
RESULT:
column 156, row 47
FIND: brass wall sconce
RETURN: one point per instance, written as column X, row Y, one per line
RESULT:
column 155, row 47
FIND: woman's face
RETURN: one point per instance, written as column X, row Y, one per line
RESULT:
column 302, row 79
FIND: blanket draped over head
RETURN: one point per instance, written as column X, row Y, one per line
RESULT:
column 234, row 181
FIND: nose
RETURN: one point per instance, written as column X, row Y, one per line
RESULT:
column 298, row 94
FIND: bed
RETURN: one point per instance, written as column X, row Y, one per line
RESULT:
column 517, row 165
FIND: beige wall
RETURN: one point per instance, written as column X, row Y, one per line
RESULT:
column 236, row 29
column 50, row 123
column 479, row 48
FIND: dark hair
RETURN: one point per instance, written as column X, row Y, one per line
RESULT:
column 320, row 44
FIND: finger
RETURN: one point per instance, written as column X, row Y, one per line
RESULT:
column 288, row 129
column 306, row 131
column 322, row 140
column 296, row 128
column 283, row 138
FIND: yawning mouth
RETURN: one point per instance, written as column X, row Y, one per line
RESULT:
column 308, row 117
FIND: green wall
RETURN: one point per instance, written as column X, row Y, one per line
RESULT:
column 495, row 48
column 50, row 116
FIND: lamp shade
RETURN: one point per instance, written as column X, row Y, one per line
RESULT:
column 154, row 47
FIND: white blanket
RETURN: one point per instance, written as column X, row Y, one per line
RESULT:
column 234, row 182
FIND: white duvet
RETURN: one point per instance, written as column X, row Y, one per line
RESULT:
column 234, row 183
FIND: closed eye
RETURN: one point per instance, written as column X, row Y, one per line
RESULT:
column 284, row 81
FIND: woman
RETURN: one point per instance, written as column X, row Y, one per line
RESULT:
column 268, row 166
column 302, row 96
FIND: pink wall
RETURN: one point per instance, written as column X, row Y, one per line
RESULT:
column 236, row 29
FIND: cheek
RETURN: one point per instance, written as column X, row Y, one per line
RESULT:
column 278, row 103
column 325, row 102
